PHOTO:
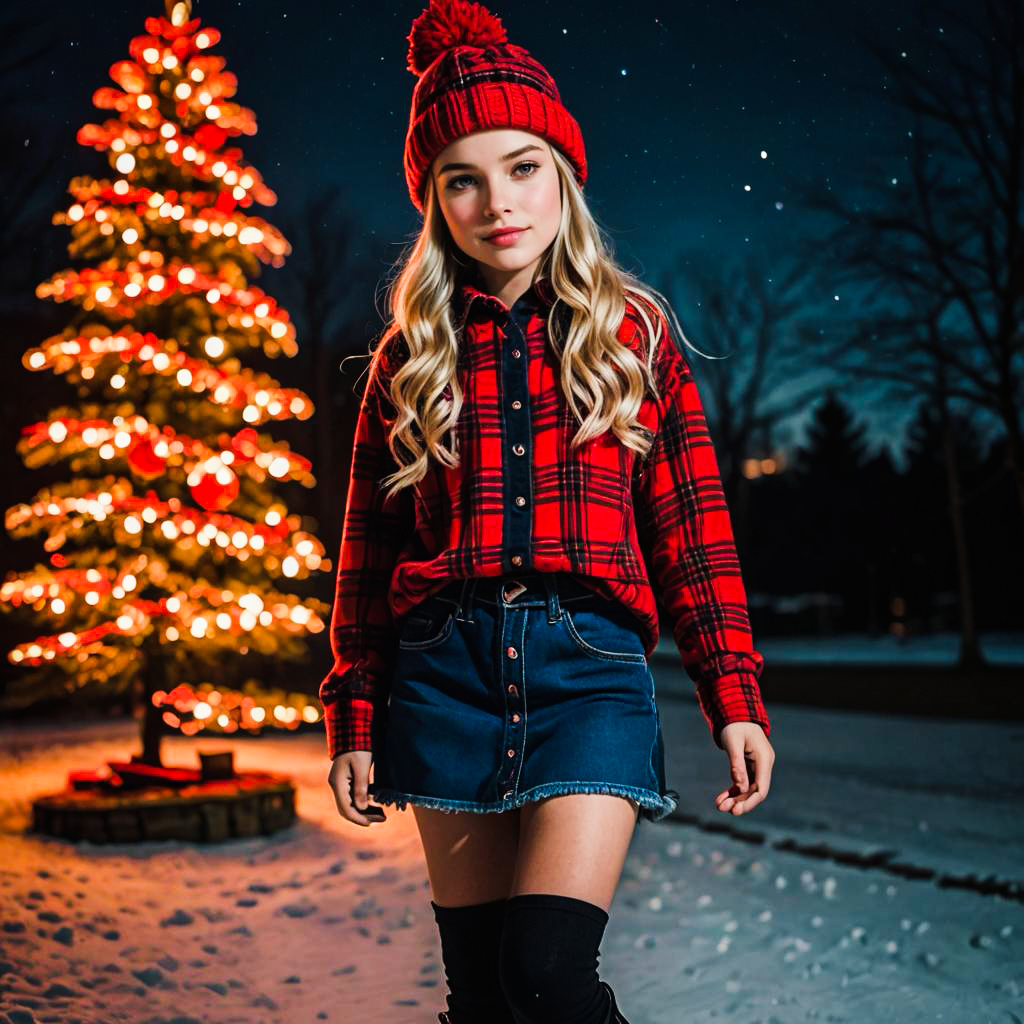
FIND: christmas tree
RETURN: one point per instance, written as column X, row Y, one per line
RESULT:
column 168, row 547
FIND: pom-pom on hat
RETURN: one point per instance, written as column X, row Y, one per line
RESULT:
column 472, row 79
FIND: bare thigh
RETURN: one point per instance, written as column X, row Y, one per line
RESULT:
column 571, row 845
column 471, row 858
column 574, row 845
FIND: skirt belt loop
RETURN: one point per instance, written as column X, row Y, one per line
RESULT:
column 551, row 585
column 464, row 613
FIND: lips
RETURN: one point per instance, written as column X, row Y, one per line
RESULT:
column 509, row 237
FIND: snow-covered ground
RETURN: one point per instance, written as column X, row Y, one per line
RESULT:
column 329, row 921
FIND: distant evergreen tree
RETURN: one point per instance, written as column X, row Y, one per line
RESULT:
column 835, row 447
column 831, row 510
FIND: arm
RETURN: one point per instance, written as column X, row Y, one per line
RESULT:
column 373, row 534
column 686, row 539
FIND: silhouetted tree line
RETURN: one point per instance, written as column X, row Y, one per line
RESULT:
column 847, row 520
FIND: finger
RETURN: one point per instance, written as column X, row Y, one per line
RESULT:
column 738, row 764
column 747, row 802
column 361, row 795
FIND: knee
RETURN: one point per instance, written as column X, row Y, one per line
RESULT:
column 548, row 958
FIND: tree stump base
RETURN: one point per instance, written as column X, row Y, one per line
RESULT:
column 248, row 804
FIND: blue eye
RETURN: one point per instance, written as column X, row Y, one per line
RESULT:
column 461, row 177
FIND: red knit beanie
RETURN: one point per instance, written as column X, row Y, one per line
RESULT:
column 471, row 79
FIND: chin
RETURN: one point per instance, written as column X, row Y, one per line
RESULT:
column 509, row 261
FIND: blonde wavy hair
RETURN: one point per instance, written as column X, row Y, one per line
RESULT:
column 602, row 379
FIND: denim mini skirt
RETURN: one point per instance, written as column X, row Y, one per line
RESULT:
column 511, row 689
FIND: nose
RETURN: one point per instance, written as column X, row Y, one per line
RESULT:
column 496, row 202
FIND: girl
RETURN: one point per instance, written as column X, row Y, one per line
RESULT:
column 495, row 600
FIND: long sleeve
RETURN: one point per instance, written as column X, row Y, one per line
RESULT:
column 374, row 532
column 686, row 538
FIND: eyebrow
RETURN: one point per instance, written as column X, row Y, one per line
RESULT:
column 508, row 156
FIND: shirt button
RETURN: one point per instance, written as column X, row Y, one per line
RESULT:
column 513, row 691
column 518, row 449
column 511, row 752
column 517, row 559
column 515, row 353
column 517, row 404
column 508, row 795
column 513, row 653
column 515, row 718
column 520, row 501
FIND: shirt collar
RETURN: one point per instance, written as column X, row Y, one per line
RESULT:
column 540, row 295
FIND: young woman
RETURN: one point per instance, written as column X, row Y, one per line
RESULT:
column 531, row 468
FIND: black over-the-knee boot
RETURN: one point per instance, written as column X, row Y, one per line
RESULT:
column 470, row 945
column 548, row 961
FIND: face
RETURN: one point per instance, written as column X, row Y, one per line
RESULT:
column 499, row 179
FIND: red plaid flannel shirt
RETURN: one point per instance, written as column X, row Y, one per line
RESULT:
column 629, row 527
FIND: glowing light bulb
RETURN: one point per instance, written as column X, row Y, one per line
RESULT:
column 125, row 163
column 214, row 346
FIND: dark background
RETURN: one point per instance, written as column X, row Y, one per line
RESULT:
column 752, row 161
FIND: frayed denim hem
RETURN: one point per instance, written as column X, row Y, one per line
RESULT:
column 651, row 806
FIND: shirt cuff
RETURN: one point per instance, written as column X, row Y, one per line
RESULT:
column 732, row 698
column 348, row 722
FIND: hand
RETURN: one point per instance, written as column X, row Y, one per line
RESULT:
column 748, row 748
column 350, row 776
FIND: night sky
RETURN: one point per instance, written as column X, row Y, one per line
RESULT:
column 677, row 103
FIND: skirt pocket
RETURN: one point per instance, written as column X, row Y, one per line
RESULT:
column 604, row 631
column 427, row 625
